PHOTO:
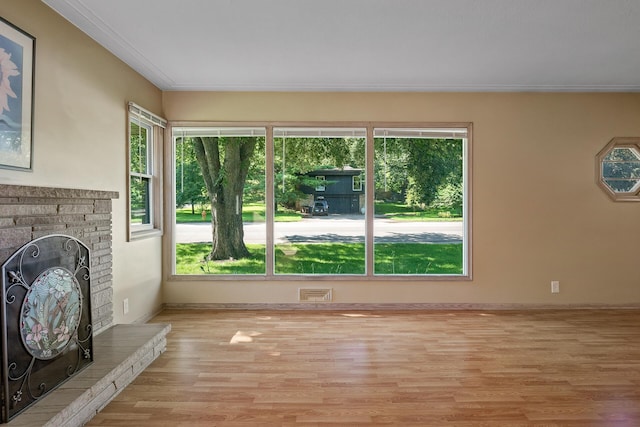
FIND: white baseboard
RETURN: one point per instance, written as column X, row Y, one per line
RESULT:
column 397, row 306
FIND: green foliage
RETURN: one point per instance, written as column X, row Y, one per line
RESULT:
column 301, row 155
column 419, row 172
column 139, row 185
column 413, row 170
column 432, row 163
column 138, row 148
column 391, row 174
column 449, row 196
column 190, row 188
column 254, row 188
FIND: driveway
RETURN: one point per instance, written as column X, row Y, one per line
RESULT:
column 334, row 228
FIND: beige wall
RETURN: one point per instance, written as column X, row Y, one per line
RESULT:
column 538, row 214
column 80, row 135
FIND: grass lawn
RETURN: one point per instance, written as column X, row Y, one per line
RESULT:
column 418, row 258
column 250, row 213
column 401, row 212
column 328, row 258
column 255, row 212
column 190, row 256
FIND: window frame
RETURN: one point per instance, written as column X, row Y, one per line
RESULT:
column 368, row 182
column 357, row 188
column 155, row 127
column 631, row 143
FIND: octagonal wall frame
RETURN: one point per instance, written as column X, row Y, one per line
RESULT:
column 626, row 173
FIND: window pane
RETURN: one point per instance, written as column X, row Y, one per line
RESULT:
column 419, row 199
column 220, row 200
column 319, row 226
column 622, row 185
column 622, row 154
column 621, row 170
column 357, row 183
column 140, row 201
column 139, row 148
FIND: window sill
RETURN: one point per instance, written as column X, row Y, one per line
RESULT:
column 144, row 234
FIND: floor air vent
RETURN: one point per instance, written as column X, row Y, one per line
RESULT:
column 314, row 295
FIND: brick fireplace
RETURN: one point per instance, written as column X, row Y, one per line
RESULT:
column 121, row 352
column 27, row 213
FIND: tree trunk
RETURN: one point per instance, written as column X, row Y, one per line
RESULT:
column 225, row 164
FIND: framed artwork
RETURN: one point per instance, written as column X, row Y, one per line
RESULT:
column 17, row 63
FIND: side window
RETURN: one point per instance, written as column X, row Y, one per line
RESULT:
column 619, row 169
column 144, row 149
column 321, row 186
column 141, row 174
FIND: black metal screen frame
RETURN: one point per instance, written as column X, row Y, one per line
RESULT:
column 27, row 377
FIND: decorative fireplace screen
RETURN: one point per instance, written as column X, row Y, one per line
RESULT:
column 46, row 319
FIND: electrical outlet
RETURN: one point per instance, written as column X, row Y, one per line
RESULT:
column 555, row 287
column 125, row 305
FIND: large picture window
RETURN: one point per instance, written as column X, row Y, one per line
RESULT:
column 420, row 201
column 315, row 167
column 220, row 198
column 349, row 202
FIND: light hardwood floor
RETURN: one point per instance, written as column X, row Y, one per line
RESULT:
column 436, row 368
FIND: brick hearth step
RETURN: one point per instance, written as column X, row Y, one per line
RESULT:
column 121, row 353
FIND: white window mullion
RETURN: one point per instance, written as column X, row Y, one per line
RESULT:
column 270, row 207
column 369, row 191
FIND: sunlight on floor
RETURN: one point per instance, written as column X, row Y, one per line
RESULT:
column 359, row 315
column 243, row 337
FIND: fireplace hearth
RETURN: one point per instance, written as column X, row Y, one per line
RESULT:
column 46, row 319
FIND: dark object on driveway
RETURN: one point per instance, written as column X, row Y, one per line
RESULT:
column 320, row 207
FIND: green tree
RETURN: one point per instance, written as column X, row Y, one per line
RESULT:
column 225, row 164
column 432, row 163
column 417, row 170
column 190, row 187
column 254, row 189
column 391, row 174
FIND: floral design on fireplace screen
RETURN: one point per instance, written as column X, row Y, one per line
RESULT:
column 46, row 319
column 50, row 313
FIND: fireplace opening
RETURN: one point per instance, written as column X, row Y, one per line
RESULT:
column 46, row 319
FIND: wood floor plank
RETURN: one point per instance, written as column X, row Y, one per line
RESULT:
column 433, row 368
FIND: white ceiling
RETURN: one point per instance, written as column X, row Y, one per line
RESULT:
column 370, row 45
